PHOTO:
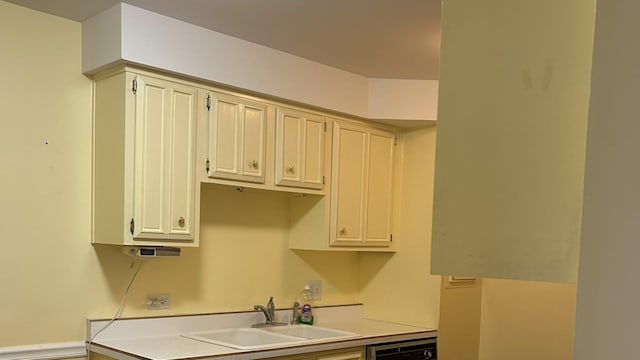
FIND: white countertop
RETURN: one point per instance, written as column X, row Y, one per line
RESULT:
column 159, row 338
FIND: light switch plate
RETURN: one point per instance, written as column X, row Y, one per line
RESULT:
column 315, row 287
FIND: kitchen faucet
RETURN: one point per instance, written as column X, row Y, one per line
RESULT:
column 269, row 313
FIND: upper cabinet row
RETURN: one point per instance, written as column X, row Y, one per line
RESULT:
column 238, row 138
column 156, row 139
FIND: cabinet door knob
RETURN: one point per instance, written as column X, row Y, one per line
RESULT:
column 181, row 221
column 291, row 169
column 343, row 231
column 254, row 164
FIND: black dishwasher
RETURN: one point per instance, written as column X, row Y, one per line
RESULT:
column 423, row 349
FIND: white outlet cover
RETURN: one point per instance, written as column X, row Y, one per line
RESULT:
column 158, row 301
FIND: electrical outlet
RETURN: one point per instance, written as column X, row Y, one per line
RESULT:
column 158, row 301
column 315, row 289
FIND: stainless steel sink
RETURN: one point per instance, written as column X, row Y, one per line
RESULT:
column 245, row 338
column 269, row 337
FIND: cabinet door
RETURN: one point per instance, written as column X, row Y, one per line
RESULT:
column 253, row 141
column 348, row 354
column 348, row 181
column 300, row 141
column 181, row 165
column 379, row 188
column 352, row 355
column 164, row 152
column 236, row 138
column 362, row 186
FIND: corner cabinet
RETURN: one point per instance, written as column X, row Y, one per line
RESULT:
column 144, row 188
column 237, row 135
column 362, row 186
column 300, row 146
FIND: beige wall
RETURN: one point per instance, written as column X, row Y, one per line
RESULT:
column 399, row 287
column 460, row 316
column 47, row 272
column 527, row 320
column 506, row 319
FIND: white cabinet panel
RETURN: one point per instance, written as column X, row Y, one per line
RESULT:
column 237, row 130
column 300, row 147
column 182, row 156
column 150, row 154
column 379, row 187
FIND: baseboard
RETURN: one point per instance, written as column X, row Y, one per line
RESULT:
column 49, row 351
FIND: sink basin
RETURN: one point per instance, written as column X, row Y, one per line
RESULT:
column 245, row 338
column 311, row 332
column 269, row 337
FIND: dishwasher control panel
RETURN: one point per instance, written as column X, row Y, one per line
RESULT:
column 422, row 349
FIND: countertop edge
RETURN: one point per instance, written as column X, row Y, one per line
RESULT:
column 160, row 338
column 284, row 351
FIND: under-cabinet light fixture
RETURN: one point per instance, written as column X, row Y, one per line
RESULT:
column 146, row 252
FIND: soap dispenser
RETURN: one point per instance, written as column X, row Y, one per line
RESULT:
column 306, row 314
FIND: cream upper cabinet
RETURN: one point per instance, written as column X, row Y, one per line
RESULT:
column 237, row 131
column 362, row 186
column 164, row 159
column 144, row 161
column 300, row 147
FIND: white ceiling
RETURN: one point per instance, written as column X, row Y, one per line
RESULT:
column 376, row 38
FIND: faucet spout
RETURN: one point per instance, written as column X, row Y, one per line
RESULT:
column 271, row 308
column 267, row 314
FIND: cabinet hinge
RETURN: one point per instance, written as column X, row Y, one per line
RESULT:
column 322, row 179
column 132, row 226
column 390, row 237
column 325, row 126
column 134, row 86
column 395, row 141
column 209, row 102
column 207, row 164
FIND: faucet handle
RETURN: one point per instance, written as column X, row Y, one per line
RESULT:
column 271, row 308
column 294, row 316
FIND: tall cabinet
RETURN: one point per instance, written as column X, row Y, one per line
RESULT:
column 144, row 161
